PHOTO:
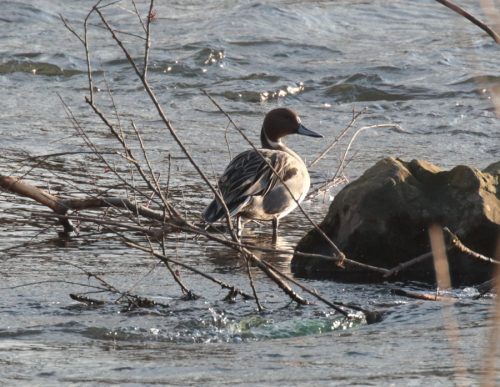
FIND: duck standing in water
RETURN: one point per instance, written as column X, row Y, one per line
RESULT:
column 250, row 188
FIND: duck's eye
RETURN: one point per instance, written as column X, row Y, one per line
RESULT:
column 291, row 118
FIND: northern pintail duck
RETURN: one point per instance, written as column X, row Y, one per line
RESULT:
column 249, row 187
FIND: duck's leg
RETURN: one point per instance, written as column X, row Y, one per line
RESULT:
column 276, row 223
column 239, row 226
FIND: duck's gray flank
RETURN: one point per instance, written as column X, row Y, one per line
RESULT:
column 248, row 185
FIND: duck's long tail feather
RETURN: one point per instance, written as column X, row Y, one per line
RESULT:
column 214, row 211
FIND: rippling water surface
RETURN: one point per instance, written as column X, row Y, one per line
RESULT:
column 415, row 64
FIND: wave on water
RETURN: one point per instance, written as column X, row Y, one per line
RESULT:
column 217, row 327
column 367, row 87
column 20, row 12
column 38, row 63
column 36, row 68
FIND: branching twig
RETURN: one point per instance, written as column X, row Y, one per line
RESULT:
column 356, row 133
column 163, row 258
column 339, row 137
column 167, row 123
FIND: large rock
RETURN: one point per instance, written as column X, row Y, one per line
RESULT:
column 382, row 219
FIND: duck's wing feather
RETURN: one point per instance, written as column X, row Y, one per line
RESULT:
column 249, row 175
column 246, row 175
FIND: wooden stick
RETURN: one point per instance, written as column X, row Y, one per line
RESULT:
column 16, row 185
column 484, row 288
column 411, row 262
column 422, row 296
column 86, row 300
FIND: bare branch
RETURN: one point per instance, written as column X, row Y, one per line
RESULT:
column 454, row 7
column 252, row 285
column 71, row 29
column 148, row 39
column 164, row 258
column 335, row 141
column 457, row 244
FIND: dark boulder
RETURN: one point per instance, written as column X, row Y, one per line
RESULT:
column 382, row 219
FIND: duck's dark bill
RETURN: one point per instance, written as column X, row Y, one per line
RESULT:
column 307, row 132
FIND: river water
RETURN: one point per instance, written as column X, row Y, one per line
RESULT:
column 415, row 64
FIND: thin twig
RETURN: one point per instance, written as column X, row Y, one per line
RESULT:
column 252, row 285
column 87, row 52
column 335, row 141
column 325, row 186
column 356, row 133
column 173, row 273
column 403, row 265
column 163, row 258
column 139, row 16
column 71, row 29
column 422, row 296
column 148, row 39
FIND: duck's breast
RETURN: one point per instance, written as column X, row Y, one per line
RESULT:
column 278, row 202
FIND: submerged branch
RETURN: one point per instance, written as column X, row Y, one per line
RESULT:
column 422, row 296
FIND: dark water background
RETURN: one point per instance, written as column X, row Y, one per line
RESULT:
column 415, row 64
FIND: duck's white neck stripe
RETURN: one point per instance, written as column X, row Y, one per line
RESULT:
column 273, row 144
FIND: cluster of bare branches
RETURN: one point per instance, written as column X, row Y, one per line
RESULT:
column 147, row 208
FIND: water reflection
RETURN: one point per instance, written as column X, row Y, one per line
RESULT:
column 273, row 252
column 276, row 251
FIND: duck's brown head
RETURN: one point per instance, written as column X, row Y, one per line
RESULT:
column 279, row 123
